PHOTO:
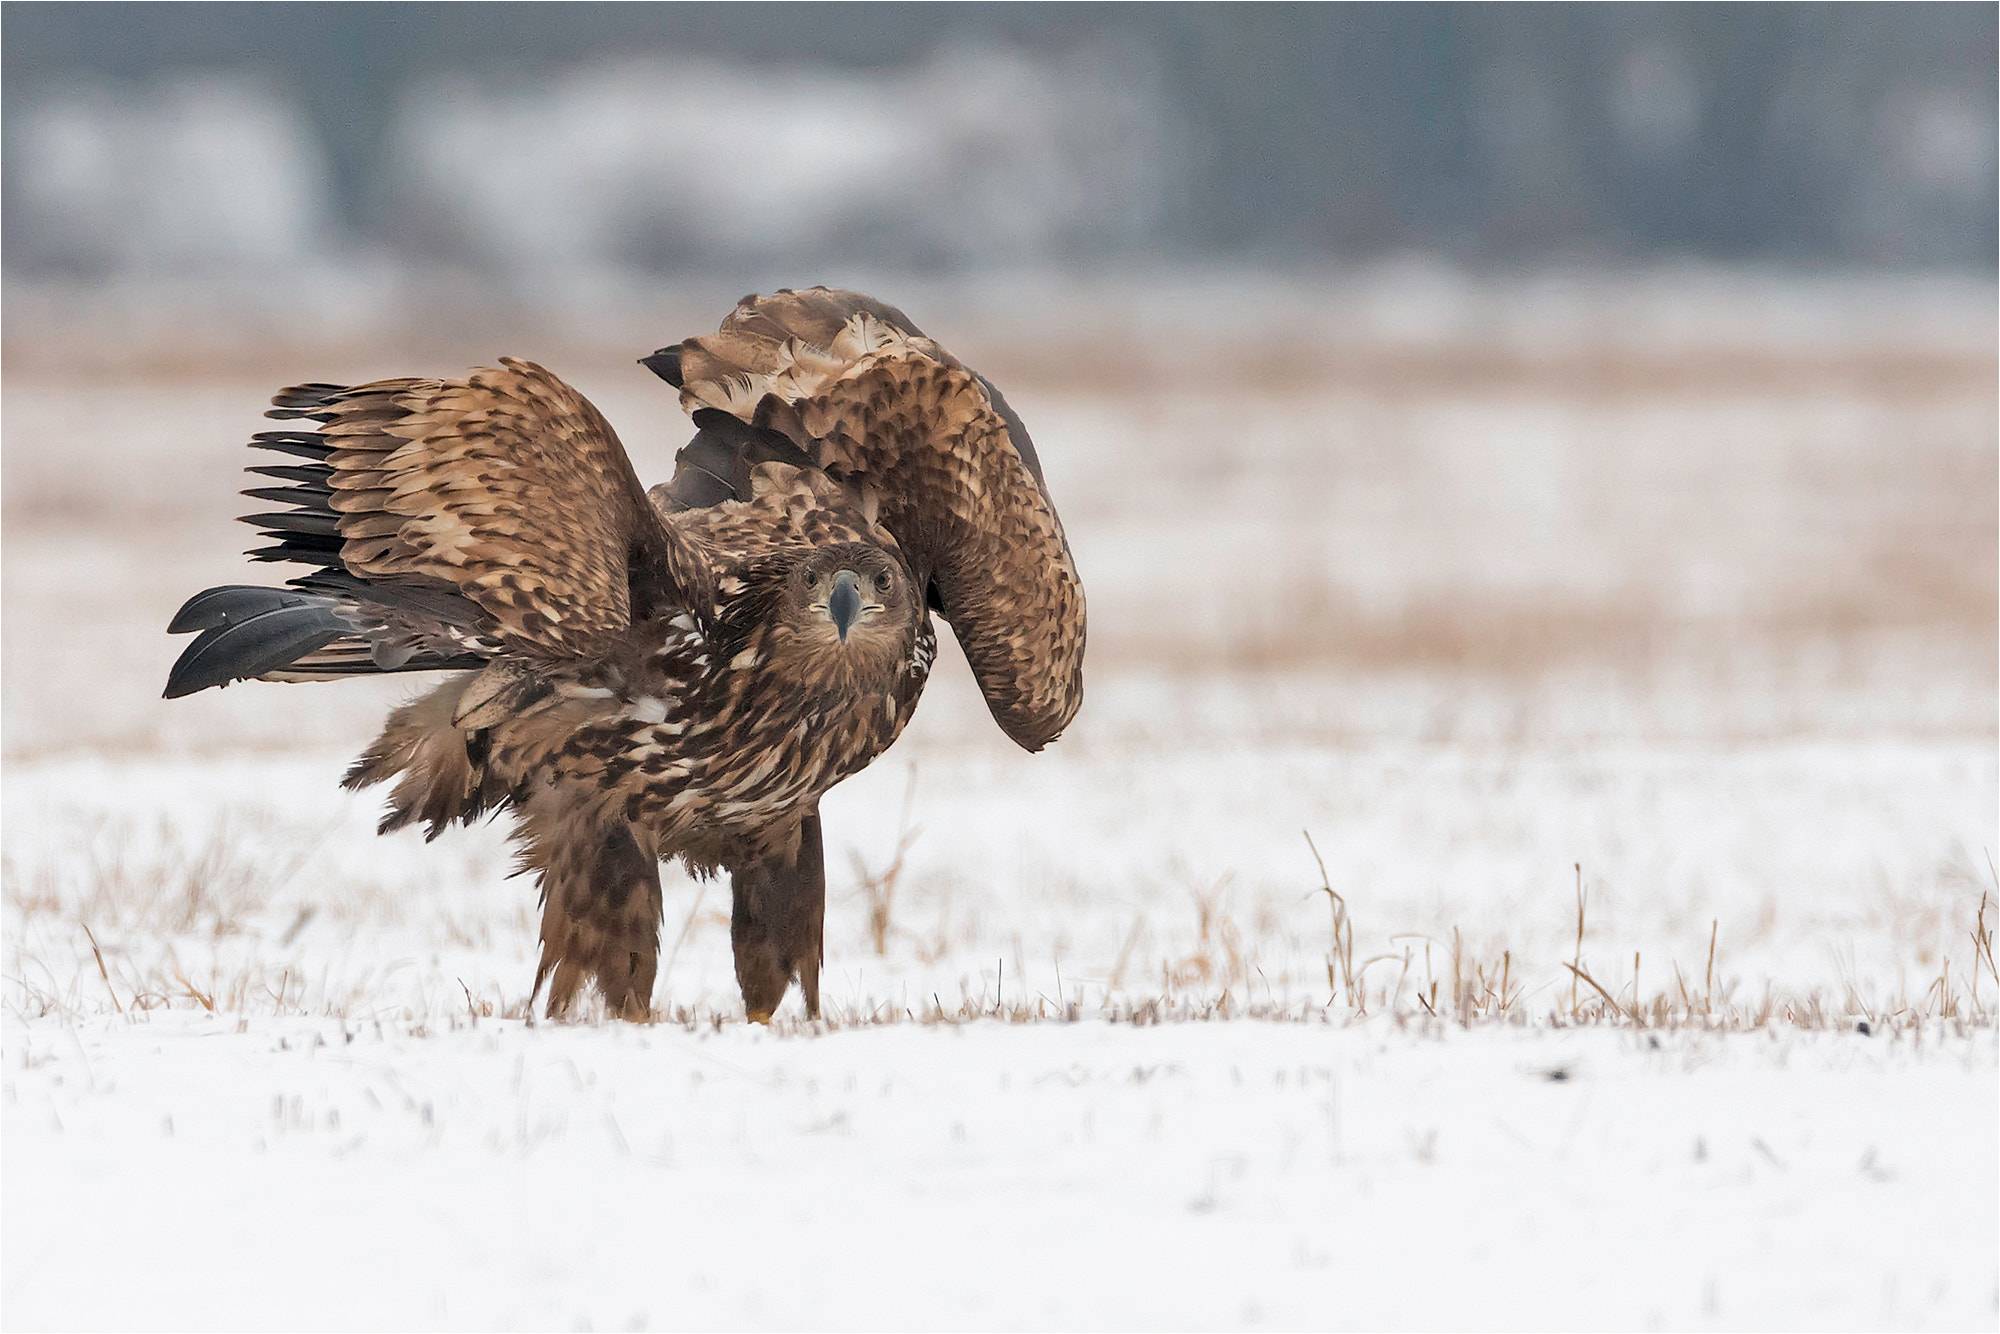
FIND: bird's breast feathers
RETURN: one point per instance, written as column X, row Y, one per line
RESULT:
column 700, row 735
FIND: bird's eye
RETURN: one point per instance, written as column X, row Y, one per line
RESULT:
column 811, row 579
column 882, row 582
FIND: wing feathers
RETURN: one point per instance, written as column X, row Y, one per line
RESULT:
column 303, row 444
column 246, row 632
column 508, row 486
column 219, row 606
column 296, row 521
column 449, row 522
column 938, row 458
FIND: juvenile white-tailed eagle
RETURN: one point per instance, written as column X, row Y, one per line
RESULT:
column 640, row 676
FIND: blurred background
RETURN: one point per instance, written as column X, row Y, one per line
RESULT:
column 1473, row 337
column 519, row 140
column 400, row 166
column 1414, row 381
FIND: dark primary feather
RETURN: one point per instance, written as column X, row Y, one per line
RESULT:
column 218, row 606
column 246, row 632
column 312, row 402
column 666, row 363
column 705, row 473
column 300, row 444
column 288, row 472
column 296, row 521
column 290, row 495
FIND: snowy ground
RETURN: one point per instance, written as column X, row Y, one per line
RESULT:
column 1705, row 608
column 313, row 1173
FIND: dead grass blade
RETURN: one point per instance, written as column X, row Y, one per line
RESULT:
column 1591, row 982
column 104, row 973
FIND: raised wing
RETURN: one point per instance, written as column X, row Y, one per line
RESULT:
column 506, row 487
column 936, row 456
column 448, row 522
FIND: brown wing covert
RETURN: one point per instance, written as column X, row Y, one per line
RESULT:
column 507, row 486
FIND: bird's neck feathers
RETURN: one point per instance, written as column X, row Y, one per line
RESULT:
column 864, row 666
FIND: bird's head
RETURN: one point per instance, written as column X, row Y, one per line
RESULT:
column 853, row 599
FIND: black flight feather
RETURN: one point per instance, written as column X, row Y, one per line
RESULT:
column 251, row 633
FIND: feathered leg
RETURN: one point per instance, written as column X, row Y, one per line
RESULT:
column 777, row 924
column 600, row 917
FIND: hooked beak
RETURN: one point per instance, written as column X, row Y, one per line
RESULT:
column 843, row 602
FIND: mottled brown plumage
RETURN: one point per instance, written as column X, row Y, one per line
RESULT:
column 681, row 675
column 937, row 459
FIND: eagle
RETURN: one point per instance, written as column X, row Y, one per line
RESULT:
column 638, row 676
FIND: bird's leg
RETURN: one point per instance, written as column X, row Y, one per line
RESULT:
column 601, row 919
column 777, row 924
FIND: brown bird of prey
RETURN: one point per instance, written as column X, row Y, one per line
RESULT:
column 681, row 673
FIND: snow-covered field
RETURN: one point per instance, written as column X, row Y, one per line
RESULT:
column 1673, row 596
column 259, row 1173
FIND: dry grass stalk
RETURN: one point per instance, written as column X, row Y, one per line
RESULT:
column 1215, row 930
column 105, row 973
column 1576, row 965
column 1708, row 979
column 1583, row 976
column 1340, row 976
column 1125, row 954
column 1982, row 946
column 687, row 926
column 206, row 1000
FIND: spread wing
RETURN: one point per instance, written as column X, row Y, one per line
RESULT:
column 506, row 487
column 448, row 522
column 851, row 386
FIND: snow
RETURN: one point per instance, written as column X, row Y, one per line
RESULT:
column 356, row 1140
column 318, row 1174
column 1847, row 870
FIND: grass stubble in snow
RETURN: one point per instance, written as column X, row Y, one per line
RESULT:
column 1463, row 1143
column 1563, row 899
